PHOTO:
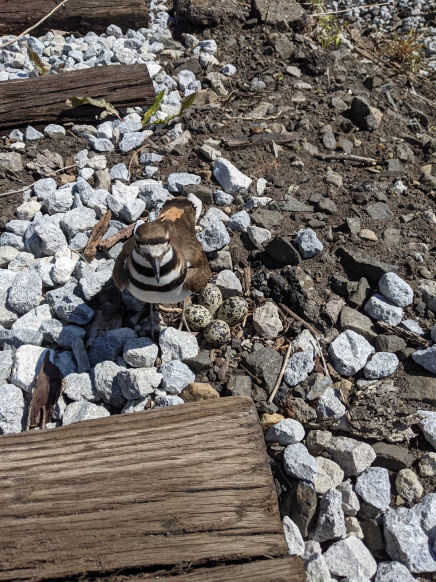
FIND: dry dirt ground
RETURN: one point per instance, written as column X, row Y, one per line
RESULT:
column 276, row 133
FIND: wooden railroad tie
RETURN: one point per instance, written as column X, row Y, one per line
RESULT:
column 42, row 99
column 183, row 493
column 76, row 15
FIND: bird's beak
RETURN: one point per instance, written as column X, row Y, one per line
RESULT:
column 155, row 264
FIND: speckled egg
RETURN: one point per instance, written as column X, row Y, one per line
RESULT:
column 217, row 333
column 233, row 310
column 211, row 297
column 197, row 316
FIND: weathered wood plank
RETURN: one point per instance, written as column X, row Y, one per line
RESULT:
column 186, row 484
column 290, row 569
column 76, row 15
column 42, row 99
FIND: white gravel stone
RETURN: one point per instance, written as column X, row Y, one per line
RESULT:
column 426, row 512
column 44, row 237
column 120, row 172
column 132, row 140
column 406, row 541
column 79, row 387
column 140, row 352
column 11, row 409
column 266, row 320
column 6, row 363
column 331, row 519
column 178, row 180
column 239, row 221
column 214, row 235
column 408, row 485
column 258, row 236
column 350, row 501
column 293, row 537
column 329, row 475
column 373, row 486
column 162, row 399
column 299, row 463
column 138, row 382
column 299, row 367
column 27, row 210
column 176, row 376
column 68, row 306
column 105, row 377
column 381, row 365
column 25, row 292
column 308, row 243
column 352, row 455
column 349, row 352
column 393, row 572
column 329, row 405
column 28, row 360
column 381, row 309
column 427, row 463
column 229, row 177
column 100, row 144
column 83, row 410
column 64, row 264
column 350, row 557
column 395, row 289
column 426, row 358
column 228, row 70
column 428, row 426
column 78, row 220
column 285, row 432
column 314, row 563
column 54, row 130
column 32, row 134
column 228, row 283
column 177, row 345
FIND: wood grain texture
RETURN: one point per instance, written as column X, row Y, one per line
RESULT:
column 76, row 15
column 42, row 99
column 189, row 483
column 289, row 569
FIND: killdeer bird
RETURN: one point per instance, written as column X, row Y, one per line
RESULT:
column 163, row 262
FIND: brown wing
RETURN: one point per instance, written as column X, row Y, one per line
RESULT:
column 179, row 210
column 120, row 274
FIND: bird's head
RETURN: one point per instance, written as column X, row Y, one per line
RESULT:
column 153, row 243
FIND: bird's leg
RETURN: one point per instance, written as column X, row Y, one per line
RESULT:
column 154, row 329
column 183, row 321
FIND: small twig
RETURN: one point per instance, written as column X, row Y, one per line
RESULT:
column 349, row 9
column 300, row 319
column 409, row 336
column 166, row 309
column 24, row 188
column 257, row 380
column 120, row 235
column 316, row 333
column 247, row 280
column 270, row 118
column 97, row 234
column 324, row 364
column 280, row 376
column 346, row 157
column 33, row 25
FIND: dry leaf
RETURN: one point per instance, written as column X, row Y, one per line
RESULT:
column 101, row 103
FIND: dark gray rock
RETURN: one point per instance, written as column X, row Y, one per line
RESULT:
column 282, row 251
column 360, row 265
